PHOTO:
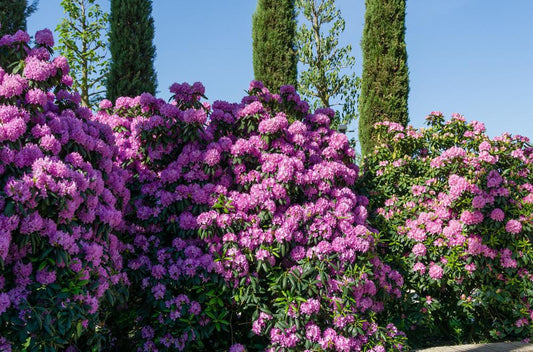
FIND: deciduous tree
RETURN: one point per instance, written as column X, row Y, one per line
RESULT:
column 83, row 41
column 328, row 78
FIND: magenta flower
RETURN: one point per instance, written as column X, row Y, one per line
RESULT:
column 44, row 37
column 45, row 277
column 237, row 348
column 12, row 85
column 497, row 214
column 38, row 70
column 435, row 271
column 419, row 250
column 513, row 226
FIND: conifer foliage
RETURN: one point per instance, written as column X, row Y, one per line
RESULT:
column 273, row 34
column 13, row 14
column 132, row 50
column 385, row 83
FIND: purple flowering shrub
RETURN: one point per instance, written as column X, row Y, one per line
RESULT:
column 176, row 300
column 61, row 202
column 456, row 209
column 289, row 234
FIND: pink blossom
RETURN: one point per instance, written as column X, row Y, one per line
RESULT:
column 419, row 250
column 38, row 70
column 12, row 85
column 435, row 271
column 310, row 306
column 497, row 214
column 513, row 226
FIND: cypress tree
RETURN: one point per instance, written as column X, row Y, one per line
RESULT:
column 132, row 50
column 385, row 82
column 274, row 52
column 13, row 14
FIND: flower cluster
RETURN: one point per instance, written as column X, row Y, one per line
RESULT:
column 456, row 208
column 61, row 203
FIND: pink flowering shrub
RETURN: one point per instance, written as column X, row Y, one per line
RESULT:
column 61, row 201
column 289, row 234
column 456, row 209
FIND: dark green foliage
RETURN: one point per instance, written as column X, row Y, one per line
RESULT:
column 273, row 34
column 385, row 83
column 132, row 50
column 13, row 14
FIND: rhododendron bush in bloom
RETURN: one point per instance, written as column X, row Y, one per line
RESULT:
column 456, row 208
column 177, row 300
column 290, row 235
column 61, row 200
column 173, row 226
column 285, row 260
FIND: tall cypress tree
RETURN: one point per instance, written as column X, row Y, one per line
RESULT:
column 132, row 50
column 385, row 82
column 13, row 14
column 274, row 52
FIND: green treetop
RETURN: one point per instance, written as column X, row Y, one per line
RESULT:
column 328, row 78
column 83, row 41
column 13, row 14
column 132, row 50
column 385, row 82
column 273, row 34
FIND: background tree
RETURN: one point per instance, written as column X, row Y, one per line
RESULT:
column 385, row 83
column 328, row 79
column 132, row 51
column 82, row 40
column 13, row 14
column 273, row 34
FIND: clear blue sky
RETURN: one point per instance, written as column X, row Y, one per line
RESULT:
column 474, row 57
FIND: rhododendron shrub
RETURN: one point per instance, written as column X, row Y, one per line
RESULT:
column 289, row 234
column 61, row 199
column 242, row 221
column 456, row 208
column 177, row 301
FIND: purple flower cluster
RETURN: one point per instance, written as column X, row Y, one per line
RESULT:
column 288, row 206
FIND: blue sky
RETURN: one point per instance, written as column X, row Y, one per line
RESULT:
column 474, row 57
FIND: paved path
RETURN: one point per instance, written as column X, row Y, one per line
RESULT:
column 486, row 347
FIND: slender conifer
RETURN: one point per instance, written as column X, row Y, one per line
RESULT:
column 13, row 14
column 385, row 82
column 273, row 34
column 132, row 50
